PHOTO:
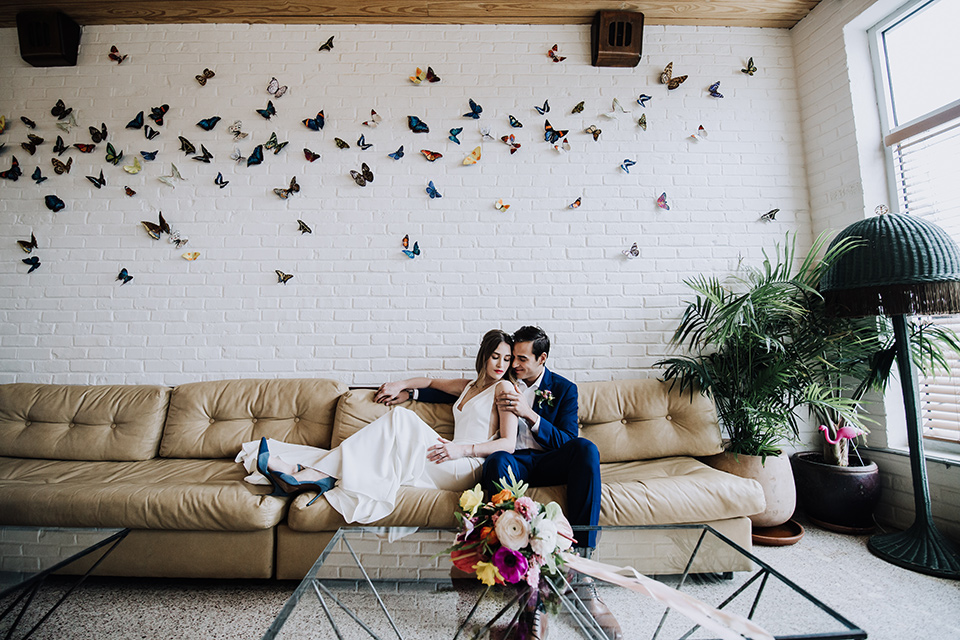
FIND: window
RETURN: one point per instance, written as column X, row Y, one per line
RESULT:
column 919, row 84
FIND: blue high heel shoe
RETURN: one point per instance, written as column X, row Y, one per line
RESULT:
column 292, row 486
column 263, row 456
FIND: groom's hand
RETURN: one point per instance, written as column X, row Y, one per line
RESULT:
column 391, row 393
column 511, row 400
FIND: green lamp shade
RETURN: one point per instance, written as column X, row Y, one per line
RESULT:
column 903, row 265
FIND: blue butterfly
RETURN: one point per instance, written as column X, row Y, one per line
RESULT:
column 516, row 124
column 54, row 203
column 269, row 111
column 137, row 122
column 627, row 164
column 417, row 125
column 545, row 109
column 642, row 100
column 209, row 123
column 454, row 133
column 475, row 110
column 123, row 275
column 362, row 143
column 149, row 155
column 34, row 263
column 432, row 192
column 37, row 176
column 407, row 251
column 219, row 181
column 715, row 90
column 256, row 157
column 397, row 154
column 315, row 124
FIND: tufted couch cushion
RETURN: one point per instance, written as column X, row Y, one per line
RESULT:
column 212, row 419
column 61, row 422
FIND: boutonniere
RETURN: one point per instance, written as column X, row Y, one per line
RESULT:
column 542, row 396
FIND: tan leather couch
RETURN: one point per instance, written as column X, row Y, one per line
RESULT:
column 160, row 461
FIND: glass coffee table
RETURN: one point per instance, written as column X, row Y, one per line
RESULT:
column 28, row 555
column 397, row 583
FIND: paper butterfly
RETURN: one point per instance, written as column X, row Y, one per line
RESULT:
column 362, row 143
column 454, row 133
column 125, row 276
column 97, row 182
column 186, row 146
column 269, row 111
column 38, row 176
column 363, row 176
column 130, row 192
column 59, row 167
column 115, row 55
column 550, row 134
column 177, row 240
column 190, row 255
column 203, row 77
column 60, row 110
column 275, row 89
column 770, row 216
column 432, row 156
column 53, row 203
column 283, row 194
column 66, row 125
column 235, row 130
column 632, row 252
column 544, row 109
column 422, row 75
column 417, row 125
column 170, row 179
column 236, row 155
column 642, row 100
column 13, row 173
column 154, row 230
column 99, row 135
column 27, row 121
column 149, row 155
column 113, row 156
column 511, row 141
column 31, row 144
column 315, row 124
column 516, row 124
column 578, row 108
column 310, row 155
column 662, row 201
column 473, row 158
column 219, row 181
column 256, row 156
column 396, row 155
column 28, row 245
column 574, row 204
column 475, row 110
column 328, row 45
column 751, row 69
column 701, row 134
column 592, row 130
column 275, row 144
column 642, row 122
column 205, row 156
column 33, row 261
column 209, row 123
column 150, row 133
column 374, row 120
column 499, row 206
column 157, row 113
column 303, row 227
column 283, row 278
column 666, row 77
column 59, row 147
column 615, row 111
column 562, row 147
column 432, row 192
column 715, row 90
column 484, row 131
column 406, row 248
column 553, row 55
column 84, row 147
column 341, row 144
column 135, row 167
column 627, row 163
column 137, row 122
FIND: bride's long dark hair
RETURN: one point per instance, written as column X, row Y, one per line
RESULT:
column 491, row 341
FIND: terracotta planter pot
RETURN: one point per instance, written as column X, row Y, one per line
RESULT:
column 841, row 499
column 774, row 476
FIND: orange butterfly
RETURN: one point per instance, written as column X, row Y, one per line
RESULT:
column 431, row 155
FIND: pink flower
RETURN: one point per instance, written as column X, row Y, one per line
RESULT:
column 533, row 575
column 527, row 507
column 511, row 564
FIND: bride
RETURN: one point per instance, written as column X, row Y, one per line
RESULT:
column 361, row 477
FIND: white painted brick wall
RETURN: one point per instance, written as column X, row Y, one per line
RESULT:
column 357, row 310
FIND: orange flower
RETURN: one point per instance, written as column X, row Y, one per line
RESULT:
column 489, row 535
column 465, row 559
column 502, row 497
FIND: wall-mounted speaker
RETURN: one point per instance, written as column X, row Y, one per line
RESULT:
column 48, row 38
column 617, row 38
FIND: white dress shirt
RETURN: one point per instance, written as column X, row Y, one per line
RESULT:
column 526, row 430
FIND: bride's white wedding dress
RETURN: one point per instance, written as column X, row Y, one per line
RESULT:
column 391, row 452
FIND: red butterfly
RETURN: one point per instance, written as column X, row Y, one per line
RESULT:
column 85, row 148
column 310, row 155
column 553, row 55
column 115, row 55
column 431, row 155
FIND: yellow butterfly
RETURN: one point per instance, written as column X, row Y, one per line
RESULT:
column 282, row 277
column 135, row 167
column 420, row 76
column 473, row 158
column 191, row 255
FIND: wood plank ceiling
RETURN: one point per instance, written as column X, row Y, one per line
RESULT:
column 731, row 13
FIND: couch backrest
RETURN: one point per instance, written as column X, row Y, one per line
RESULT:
column 212, row 419
column 644, row 420
column 64, row 422
column 357, row 409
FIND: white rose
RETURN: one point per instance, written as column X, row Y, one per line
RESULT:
column 512, row 530
column 544, row 540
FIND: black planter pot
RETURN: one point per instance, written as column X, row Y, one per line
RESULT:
column 841, row 499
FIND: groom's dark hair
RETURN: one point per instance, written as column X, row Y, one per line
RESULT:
column 536, row 336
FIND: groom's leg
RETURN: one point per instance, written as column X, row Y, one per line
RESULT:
column 498, row 464
column 577, row 465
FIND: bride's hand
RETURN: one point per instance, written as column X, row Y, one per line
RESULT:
column 388, row 393
column 444, row 451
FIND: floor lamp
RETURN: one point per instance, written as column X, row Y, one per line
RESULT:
column 904, row 265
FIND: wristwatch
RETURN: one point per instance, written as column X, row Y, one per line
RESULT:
column 413, row 393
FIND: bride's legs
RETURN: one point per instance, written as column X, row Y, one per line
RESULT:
column 304, row 474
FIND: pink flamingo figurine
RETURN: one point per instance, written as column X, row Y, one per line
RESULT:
column 843, row 433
